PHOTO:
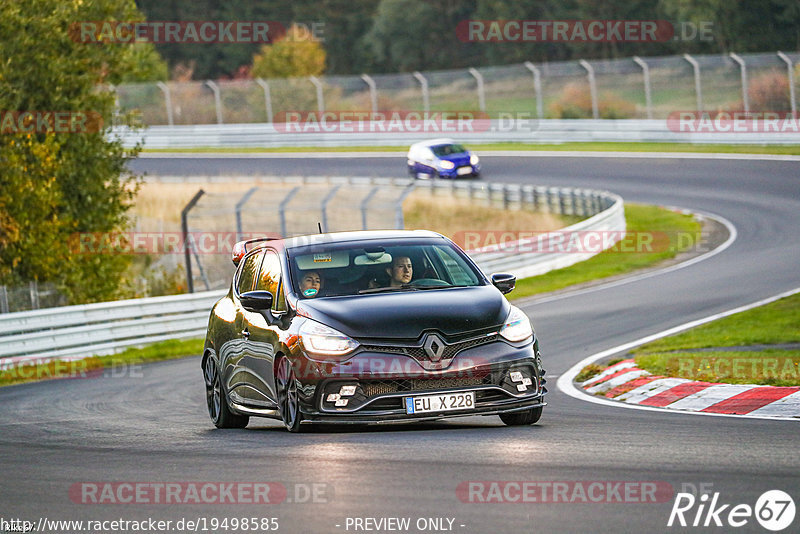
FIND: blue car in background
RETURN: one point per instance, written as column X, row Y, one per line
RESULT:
column 442, row 158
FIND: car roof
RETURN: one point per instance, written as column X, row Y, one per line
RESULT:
column 363, row 235
column 433, row 142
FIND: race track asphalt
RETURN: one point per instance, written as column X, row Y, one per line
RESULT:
column 151, row 425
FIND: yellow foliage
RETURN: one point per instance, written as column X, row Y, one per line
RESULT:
column 295, row 54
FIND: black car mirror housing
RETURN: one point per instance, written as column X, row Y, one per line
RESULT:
column 504, row 282
column 256, row 301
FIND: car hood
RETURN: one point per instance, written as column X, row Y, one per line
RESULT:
column 408, row 314
column 458, row 160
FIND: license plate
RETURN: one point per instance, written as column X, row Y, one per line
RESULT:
column 464, row 170
column 444, row 402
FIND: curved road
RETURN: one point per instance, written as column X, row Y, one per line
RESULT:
column 150, row 425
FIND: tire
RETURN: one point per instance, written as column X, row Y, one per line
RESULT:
column 216, row 400
column 288, row 398
column 527, row 417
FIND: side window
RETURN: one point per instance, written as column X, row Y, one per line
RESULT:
column 459, row 272
column 248, row 271
column 269, row 279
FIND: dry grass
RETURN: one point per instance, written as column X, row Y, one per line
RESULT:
column 451, row 216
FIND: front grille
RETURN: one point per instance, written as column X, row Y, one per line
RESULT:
column 418, row 352
column 379, row 387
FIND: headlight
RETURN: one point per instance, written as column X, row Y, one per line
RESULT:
column 323, row 340
column 447, row 164
column 517, row 326
column 473, row 159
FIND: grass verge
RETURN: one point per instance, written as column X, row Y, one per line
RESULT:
column 590, row 147
column 96, row 366
column 663, row 223
column 749, row 362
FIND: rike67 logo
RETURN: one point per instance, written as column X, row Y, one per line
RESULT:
column 774, row 510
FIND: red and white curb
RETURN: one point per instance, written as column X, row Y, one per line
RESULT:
column 627, row 383
column 678, row 395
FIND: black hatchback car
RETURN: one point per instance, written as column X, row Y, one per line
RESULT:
column 367, row 327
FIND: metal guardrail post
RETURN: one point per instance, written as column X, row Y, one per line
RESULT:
column 481, row 90
column 790, row 67
column 324, row 207
column 320, row 95
column 399, row 222
column 365, row 206
column 167, row 101
column 282, row 209
column 217, row 100
column 239, row 206
column 648, row 97
column 373, row 91
column 698, row 88
column 592, row 87
column 745, row 100
column 423, row 83
column 537, row 86
column 187, row 242
column 267, row 98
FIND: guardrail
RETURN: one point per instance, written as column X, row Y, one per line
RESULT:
column 532, row 131
column 76, row 332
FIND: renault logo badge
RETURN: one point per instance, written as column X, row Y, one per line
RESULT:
column 434, row 347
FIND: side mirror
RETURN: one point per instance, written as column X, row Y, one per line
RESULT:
column 504, row 282
column 256, row 301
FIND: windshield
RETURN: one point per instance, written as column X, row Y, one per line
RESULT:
column 448, row 150
column 361, row 268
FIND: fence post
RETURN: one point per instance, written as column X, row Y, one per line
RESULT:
column 373, row 91
column 537, row 86
column 481, row 91
column 592, row 87
column 365, row 206
column 790, row 67
column 399, row 222
column 324, row 207
column 187, row 243
column 282, row 209
column 648, row 98
column 167, row 101
column 320, row 96
column 426, row 101
column 698, row 89
column 239, row 206
column 3, row 299
column 267, row 98
column 738, row 59
column 217, row 100
column 33, row 286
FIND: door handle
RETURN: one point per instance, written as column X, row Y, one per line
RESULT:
column 246, row 333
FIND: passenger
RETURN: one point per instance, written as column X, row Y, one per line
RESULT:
column 310, row 284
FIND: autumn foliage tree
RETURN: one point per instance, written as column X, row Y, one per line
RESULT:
column 295, row 54
column 56, row 184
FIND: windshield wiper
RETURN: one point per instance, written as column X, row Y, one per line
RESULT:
column 404, row 287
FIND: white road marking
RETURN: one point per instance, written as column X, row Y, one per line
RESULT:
column 616, row 381
column 787, row 407
column 651, row 389
column 709, row 396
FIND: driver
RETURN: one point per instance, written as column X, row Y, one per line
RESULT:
column 401, row 271
column 310, row 284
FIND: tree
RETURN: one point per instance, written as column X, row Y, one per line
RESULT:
column 295, row 54
column 60, row 183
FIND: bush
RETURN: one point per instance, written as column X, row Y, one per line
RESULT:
column 576, row 103
column 769, row 92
